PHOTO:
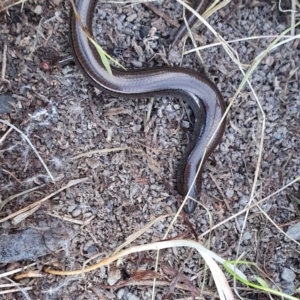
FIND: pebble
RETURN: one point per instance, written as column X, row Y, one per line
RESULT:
column 106, row 173
column 243, row 200
column 231, row 137
column 294, row 231
column 240, row 222
column 102, row 272
column 280, row 133
column 131, row 18
column 92, row 249
column 288, row 288
column 71, row 208
column 113, row 276
column 92, row 163
column 120, row 293
column 144, row 31
column 76, row 212
column 246, row 236
column 288, row 275
column 131, row 296
column 266, row 206
column 38, row 10
column 169, row 108
column 5, row 104
column 229, row 192
column 136, row 64
column 101, row 13
column 160, row 226
column 56, row 2
column 185, row 124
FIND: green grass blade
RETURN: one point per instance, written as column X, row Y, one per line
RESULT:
column 105, row 58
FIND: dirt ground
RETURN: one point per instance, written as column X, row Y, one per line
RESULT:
column 123, row 190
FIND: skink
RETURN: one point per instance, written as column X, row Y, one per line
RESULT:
column 196, row 89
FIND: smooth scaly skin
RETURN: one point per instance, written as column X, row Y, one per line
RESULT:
column 196, row 89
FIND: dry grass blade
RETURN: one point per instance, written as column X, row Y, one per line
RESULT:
column 28, row 274
column 19, row 288
column 5, row 135
column 176, row 279
column 100, row 151
column 153, row 246
column 252, row 206
column 153, row 164
column 241, row 40
column 2, row 204
column 3, row 292
column 181, row 286
column 38, row 203
column 13, row 4
column 9, row 273
column 255, row 64
column 166, row 268
column 74, row 221
column 11, row 175
column 209, row 256
column 21, row 217
column 245, row 79
column 137, row 234
column 30, row 144
column 221, row 282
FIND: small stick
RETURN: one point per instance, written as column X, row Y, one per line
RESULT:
column 4, row 64
column 5, row 135
column 12, row 175
column 161, row 14
column 221, row 192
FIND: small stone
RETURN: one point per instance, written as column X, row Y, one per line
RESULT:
column 288, row 287
column 101, row 13
column 93, row 163
column 106, row 173
column 6, row 103
column 293, row 109
column 168, row 209
column 160, row 226
column 131, row 18
column 113, row 276
column 240, row 222
column 36, row 163
column 169, row 108
column 38, row 10
column 243, row 200
column 76, row 212
column 185, row 124
column 294, row 231
column 144, row 31
column 266, row 206
column 277, row 136
column 231, row 137
column 92, row 249
column 102, row 272
column 288, row 275
column 131, row 296
column 136, row 64
column 120, row 293
column 56, row 2
column 229, row 192
column 246, row 236
column 71, row 208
